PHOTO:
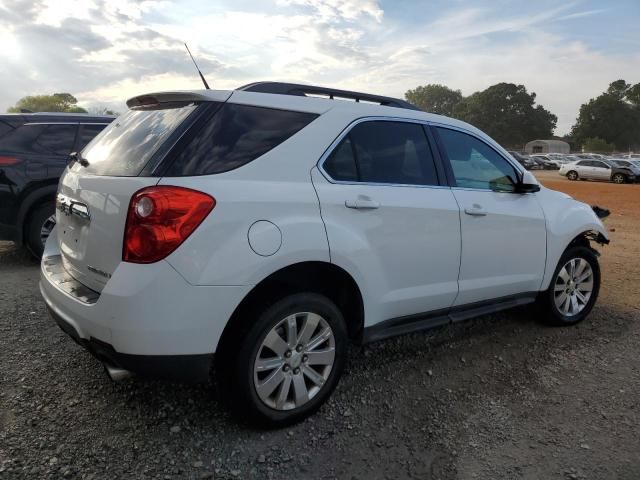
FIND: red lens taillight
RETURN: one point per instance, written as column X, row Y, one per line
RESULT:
column 161, row 218
column 8, row 161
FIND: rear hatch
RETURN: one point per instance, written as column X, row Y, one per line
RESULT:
column 95, row 191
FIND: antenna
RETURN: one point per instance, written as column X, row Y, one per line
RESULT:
column 206, row 85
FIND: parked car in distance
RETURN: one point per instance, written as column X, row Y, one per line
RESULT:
column 34, row 151
column 631, row 165
column 633, row 156
column 548, row 162
column 597, row 170
column 524, row 160
column 255, row 233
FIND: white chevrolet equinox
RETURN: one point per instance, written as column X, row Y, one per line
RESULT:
column 251, row 235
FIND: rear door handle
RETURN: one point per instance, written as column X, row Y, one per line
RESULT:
column 475, row 211
column 362, row 204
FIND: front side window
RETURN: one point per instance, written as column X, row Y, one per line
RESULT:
column 600, row 164
column 475, row 164
column 384, row 152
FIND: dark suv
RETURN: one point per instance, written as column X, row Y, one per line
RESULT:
column 34, row 150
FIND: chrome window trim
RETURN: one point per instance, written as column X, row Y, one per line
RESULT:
column 345, row 132
column 320, row 164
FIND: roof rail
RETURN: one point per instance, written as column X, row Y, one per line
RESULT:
column 307, row 90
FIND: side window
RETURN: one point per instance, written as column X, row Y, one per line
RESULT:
column 600, row 164
column 341, row 164
column 385, row 152
column 22, row 139
column 475, row 164
column 87, row 133
column 236, row 135
column 56, row 139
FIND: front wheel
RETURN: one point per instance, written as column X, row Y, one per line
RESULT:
column 574, row 288
column 618, row 178
column 572, row 175
column 288, row 363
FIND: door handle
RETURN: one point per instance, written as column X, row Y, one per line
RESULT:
column 362, row 204
column 475, row 211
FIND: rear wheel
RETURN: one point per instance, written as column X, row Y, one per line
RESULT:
column 574, row 288
column 288, row 362
column 572, row 175
column 41, row 222
column 619, row 178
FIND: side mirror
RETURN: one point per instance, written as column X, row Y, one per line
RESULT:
column 527, row 188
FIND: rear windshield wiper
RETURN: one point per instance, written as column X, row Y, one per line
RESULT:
column 77, row 157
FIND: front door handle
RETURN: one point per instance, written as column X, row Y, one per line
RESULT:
column 361, row 203
column 475, row 211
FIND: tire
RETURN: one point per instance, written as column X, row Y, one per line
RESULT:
column 553, row 314
column 618, row 178
column 572, row 175
column 240, row 381
column 41, row 222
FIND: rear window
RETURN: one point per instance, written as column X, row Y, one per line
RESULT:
column 125, row 147
column 234, row 136
column 4, row 128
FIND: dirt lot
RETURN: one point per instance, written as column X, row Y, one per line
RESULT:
column 498, row 398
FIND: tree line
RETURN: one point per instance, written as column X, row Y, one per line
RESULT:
column 505, row 111
column 508, row 113
column 56, row 102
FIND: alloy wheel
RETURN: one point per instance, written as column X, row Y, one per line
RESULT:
column 573, row 287
column 294, row 361
column 47, row 227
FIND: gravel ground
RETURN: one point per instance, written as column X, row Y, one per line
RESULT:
column 500, row 397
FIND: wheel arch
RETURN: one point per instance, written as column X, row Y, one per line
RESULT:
column 29, row 202
column 313, row 276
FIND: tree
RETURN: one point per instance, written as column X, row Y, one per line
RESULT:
column 103, row 111
column 57, row 102
column 435, row 98
column 614, row 117
column 507, row 113
column 597, row 145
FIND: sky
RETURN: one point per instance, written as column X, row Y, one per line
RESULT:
column 104, row 52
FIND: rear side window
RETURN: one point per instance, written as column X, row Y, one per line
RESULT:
column 56, row 139
column 87, row 133
column 384, row 152
column 234, row 136
column 129, row 142
column 51, row 139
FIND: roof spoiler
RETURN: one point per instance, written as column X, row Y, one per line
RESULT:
column 151, row 99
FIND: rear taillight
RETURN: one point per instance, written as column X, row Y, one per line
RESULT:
column 161, row 218
column 8, row 161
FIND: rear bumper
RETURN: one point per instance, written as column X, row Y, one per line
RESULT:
column 146, row 319
column 184, row 368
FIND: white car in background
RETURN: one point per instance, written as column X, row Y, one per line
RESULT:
column 252, row 234
column 603, row 170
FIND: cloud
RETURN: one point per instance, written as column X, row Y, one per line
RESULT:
column 586, row 13
column 105, row 51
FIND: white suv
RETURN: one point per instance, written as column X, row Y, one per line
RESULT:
column 272, row 228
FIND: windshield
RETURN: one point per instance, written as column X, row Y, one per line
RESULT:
column 124, row 147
